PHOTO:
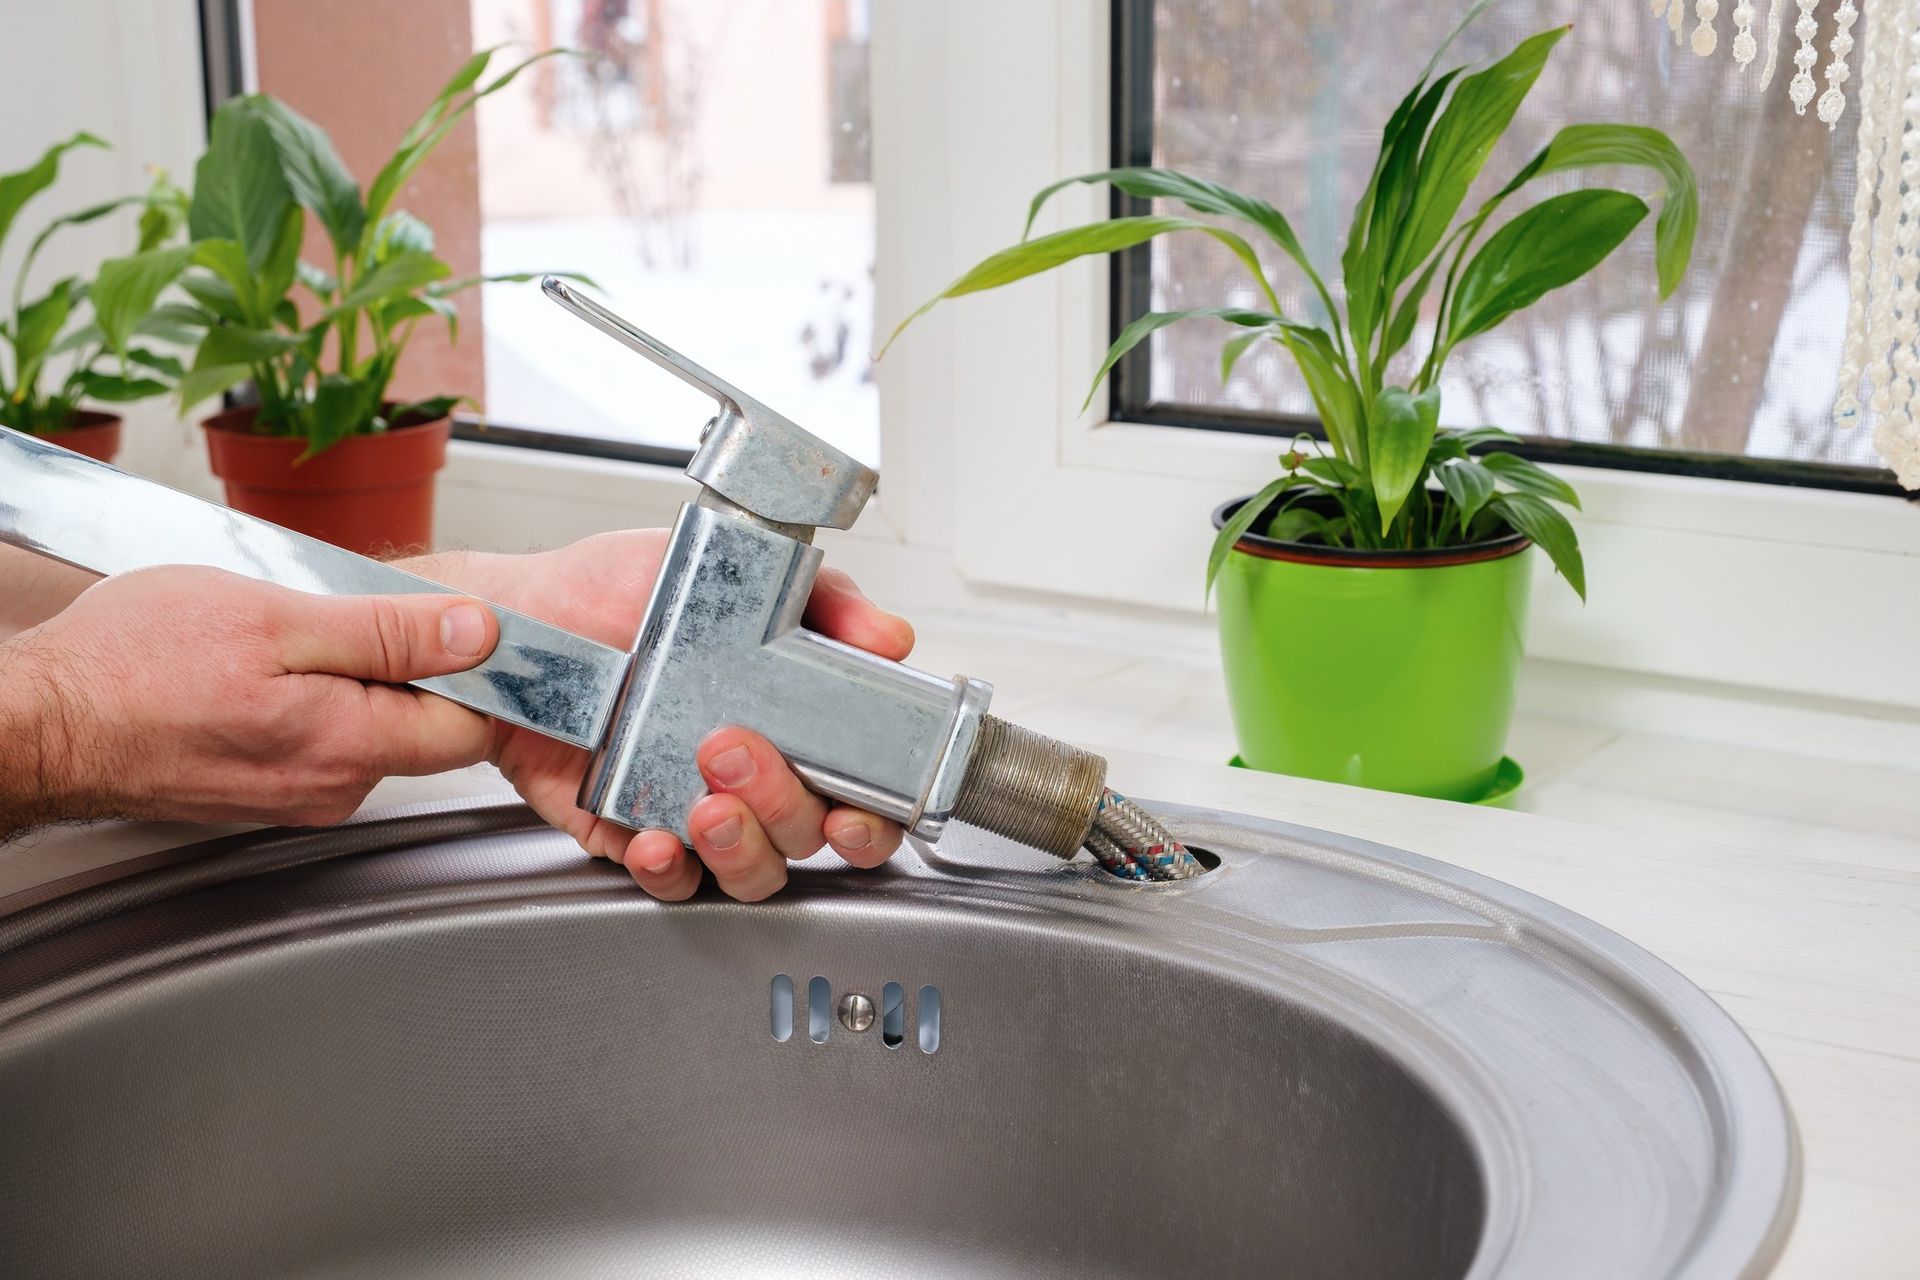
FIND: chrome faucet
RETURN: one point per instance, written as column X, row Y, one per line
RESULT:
column 721, row 641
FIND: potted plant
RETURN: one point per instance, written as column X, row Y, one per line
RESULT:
column 318, row 444
column 55, row 359
column 1373, row 597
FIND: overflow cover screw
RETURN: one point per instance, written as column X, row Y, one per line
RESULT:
column 856, row 1011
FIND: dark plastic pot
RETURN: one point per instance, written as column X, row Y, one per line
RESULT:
column 1386, row 669
column 372, row 494
column 89, row 432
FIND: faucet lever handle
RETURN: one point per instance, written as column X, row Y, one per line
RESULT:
column 749, row 455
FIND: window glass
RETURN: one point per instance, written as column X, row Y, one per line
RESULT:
column 707, row 164
column 1286, row 98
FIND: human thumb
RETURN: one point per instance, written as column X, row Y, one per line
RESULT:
column 392, row 639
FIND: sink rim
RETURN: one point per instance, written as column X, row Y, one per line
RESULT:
column 1755, row 1193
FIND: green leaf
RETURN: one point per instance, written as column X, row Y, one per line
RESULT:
column 1554, row 533
column 314, row 172
column 1331, row 385
column 35, row 327
column 1235, row 347
column 1201, row 196
column 397, row 276
column 1463, row 136
column 86, row 335
column 1474, row 436
column 1296, row 524
column 446, row 110
column 430, row 409
column 341, row 406
column 126, row 289
column 202, row 383
column 233, row 293
column 106, row 386
column 426, row 304
column 214, row 295
column 240, row 193
column 1334, row 472
column 232, row 344
column 1407, row 313
column 397, row 233
column 1031, row 257
column 1154, row 321
column 164, row 365
column 1241, row 521
column 1528, row 478
column 1377, row 218
column 165, row 212
column 1552, row 244
column 24, row 184
column 1469, row 485
column 1584, row 146
column 277, row 273
column 447, row 288
column 1400, row 430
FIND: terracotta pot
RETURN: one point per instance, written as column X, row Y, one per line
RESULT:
column 89, row 432
column 372, row 494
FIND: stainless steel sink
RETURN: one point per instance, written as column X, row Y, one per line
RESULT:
column 445, row 1043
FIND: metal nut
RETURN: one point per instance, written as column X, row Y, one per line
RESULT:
column 856, row 1011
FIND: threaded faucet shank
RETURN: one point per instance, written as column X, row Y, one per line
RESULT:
column 1031, row 788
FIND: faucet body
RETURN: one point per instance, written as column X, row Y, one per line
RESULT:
column 722, row 643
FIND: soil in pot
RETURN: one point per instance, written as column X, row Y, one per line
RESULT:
column 370, row 493
column 1393, row 670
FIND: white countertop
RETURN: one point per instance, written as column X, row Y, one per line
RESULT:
column 1784, row 882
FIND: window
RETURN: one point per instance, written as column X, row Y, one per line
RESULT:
column 1286, row 99
column 706, row 164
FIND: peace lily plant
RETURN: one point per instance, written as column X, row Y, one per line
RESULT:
column 315, row 347
column 76, row 340
column 1391, row 489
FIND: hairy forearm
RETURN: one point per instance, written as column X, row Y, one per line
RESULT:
column 34, row 588
column 37, row 783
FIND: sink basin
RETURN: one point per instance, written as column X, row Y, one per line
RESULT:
column 444, row 1043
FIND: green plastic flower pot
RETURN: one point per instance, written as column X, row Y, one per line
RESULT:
column 1386, row 669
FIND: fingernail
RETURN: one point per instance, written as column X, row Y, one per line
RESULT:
column 734, row 766
column 657, row 864
column 724, row 835
column 853, row 836
column 463, row 630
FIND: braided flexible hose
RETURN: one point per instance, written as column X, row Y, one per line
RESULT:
column 1053, row 796
column 1130, row 842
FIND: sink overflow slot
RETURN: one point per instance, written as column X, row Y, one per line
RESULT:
column 782, row 1007
column 893, row 1015
column 929, row 1010
column 819, row 1009
column 856, row 1012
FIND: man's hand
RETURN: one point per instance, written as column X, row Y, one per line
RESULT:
column 759, row 814
column 186, row 693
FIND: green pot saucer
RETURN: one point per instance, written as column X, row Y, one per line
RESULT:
column 1507, row 778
